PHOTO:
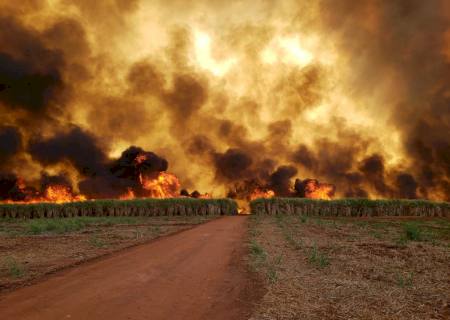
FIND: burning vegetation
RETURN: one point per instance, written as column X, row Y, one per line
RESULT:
column 138, row 174
column 248, row 101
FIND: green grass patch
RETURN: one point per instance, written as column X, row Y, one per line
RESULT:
column 65, row 225
column 413, row 232
column 317, row 258
column 257, row 250
column 272, row 269
column 15, row 269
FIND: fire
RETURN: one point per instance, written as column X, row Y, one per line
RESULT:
column 261, row 193
column 204, row 196
column 140, row 158
column 52, row 193
column 61, row 194
column 128, row 196
column 316, row 190
column 164, row 185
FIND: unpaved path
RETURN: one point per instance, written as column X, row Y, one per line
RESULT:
column 196, row 274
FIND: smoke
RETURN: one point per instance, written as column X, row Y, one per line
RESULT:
column 233, row 165
column 244, row 94
column 30, row 76
column 10, row 142
column 75, row 146
column 280, row 180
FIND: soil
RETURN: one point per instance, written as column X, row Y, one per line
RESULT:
column 352, row 268
column 195, row 274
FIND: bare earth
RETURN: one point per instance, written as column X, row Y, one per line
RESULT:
column 352, row 268
column 195, row 274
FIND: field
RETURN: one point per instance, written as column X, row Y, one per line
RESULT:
column 316, row 267
column 291, row 259
column 32, row 248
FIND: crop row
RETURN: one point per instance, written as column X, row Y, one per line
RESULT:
column 135, row 207
column 350, row 207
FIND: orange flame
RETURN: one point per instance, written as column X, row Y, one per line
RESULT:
column 260, row 193
column 52, row 193
column 140, row 158
column 127, row 196
column 205, row 196
column 164, row 185
column 61, row 194
column 317, row 190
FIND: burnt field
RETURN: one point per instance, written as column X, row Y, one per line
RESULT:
column 337, row 267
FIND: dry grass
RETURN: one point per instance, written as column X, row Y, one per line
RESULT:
column 350, row 268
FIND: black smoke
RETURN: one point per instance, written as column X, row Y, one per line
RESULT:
column 10, row 142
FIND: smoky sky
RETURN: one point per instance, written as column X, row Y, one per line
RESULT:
column 350, row 93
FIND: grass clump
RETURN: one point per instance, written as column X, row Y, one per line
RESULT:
column 272, row 269
column 15, row 269
column 318, row 258
column 413, row 232
column 257, row 250
column 95, row 241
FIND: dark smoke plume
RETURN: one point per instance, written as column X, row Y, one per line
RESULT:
column 30, row 76
column 280, row 180
column 10, row 142
column 76, row 146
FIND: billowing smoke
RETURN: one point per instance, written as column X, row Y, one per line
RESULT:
column 10, row 142
column 255, row 96
column 75, row 146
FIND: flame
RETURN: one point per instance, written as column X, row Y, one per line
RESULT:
column 316, row 190
column 261, row 193
column 140, row 158
column 164, row 185
column 128, row 196
column 61, row 194
column 52, row 193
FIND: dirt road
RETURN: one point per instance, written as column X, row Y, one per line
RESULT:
column 196, row 274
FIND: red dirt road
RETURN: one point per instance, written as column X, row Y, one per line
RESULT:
column 195, row 274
